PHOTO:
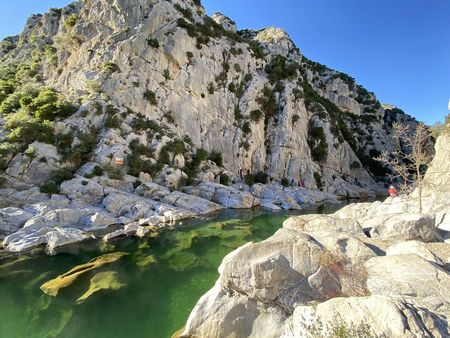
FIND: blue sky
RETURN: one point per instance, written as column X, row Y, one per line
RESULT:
column 399, row 49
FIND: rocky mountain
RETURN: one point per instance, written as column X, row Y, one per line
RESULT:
column 180, row 98
column 369, row 270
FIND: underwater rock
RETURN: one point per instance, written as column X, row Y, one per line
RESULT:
column 108, row 280
column 144, row 261
column 52, row 286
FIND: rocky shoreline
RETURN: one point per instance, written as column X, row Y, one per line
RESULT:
column 100, row 208
column 369, row 270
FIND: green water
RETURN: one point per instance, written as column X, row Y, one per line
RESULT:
column 155, row 300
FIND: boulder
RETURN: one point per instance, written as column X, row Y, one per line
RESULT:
column 82, row 190
column 29, row 238
column 12, row 219
column 374, row 316
column 152, row 191
column 269, row 270
column 406, row 227
column 323, row 223
column 414, row 248
column 410, row 277
column 227, row 196
column 192, row 203
column 222, row 314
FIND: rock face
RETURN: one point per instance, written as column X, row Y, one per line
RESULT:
column 370, row 269
column 163, row 75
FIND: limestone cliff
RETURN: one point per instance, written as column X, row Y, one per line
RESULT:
column 154, row 81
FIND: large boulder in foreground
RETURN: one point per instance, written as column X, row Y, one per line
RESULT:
column 410, row 277
column 222, row 314
column 374, row 316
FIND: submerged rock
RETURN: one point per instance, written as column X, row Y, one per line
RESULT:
column 53, row 286
column 107, row 280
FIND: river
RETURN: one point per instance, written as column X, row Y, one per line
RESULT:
column 162, row 278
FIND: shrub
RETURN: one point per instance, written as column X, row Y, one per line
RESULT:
column 25, row 129
column 249, row 179
column 112, row 122
column 268, row 103
column 279, row 69
column 189, row 55
column 97, row 171
column 285, row 182
column 216, row 157
column 49, row 187
column 153, row 43
column 114, row 173
column 94, row 86
column 317, row 143
column 261, row 177
column 150, row 96
column 246, row 128
column 63, row 174
column 224, row 179
column 176, row 147
column 138, row 148
column 256, row 49
column 355, row 165
column 211, row 88
column 295, row 119
column 110, row 67
column 81, row 153
column 318, row 179
column 71, row 21
column 256, row 115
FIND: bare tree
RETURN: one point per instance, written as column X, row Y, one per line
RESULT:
column 409, row 162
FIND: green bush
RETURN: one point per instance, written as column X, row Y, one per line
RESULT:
column 256, row 49
column 138, row 148
column 246, row 129
column 49, row 187
column 279, row 69
column 285, row 182
column 97, row 171
column 318, row 179
column 268, row 103
column 216, row 157
column 295, row 119
column 317, row 143
column 355, row 165
column 150, row 96
column 110, row 67
column 224, row 179
column 153, row 43
column 71, row 21
column 249, row 179
column 261, row 177
column 112, row 122
column 25, row 129
column 256, row 115
column 114, row 173
column 81, row 153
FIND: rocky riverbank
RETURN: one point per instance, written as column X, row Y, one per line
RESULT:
column 371, row 269
column 104, row 208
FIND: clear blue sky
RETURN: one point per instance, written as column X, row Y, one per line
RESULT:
column 399, row 49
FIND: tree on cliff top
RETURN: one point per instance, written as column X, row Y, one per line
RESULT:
column 409, row 166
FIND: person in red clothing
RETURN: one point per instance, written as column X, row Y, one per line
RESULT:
column 392, row 191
